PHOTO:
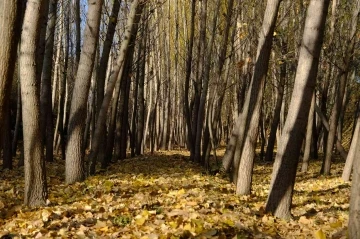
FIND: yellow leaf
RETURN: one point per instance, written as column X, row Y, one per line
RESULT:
column 336, row 224
column 229, row 222
column 188, row 227
column 140, row 221
column 319, row 234
column 181, row 191
column 173, row 225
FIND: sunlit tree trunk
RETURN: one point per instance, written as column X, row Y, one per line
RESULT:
column 287, row 157
column 75, row 168
column 35, row 178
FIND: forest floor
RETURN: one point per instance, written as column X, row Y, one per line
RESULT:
column 166, row 196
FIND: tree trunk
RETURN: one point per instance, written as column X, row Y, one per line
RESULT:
column 104, row 60
column 309, row 131
column 74, row 167
column 354, row 215
column 35, row 179
column 287, row 157
column 45, row 95
column 9, row 15
column 205, row 87
column 189, row 59
column 99, row 134
column 246, row 143
column 325, row 123
column 336, row 111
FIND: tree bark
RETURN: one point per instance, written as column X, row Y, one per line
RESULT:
column 9, row 14
column 35, row 193
column 74, row 167
column 286, row 161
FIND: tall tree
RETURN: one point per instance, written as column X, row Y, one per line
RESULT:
column 354, row 215
column 246, row 143
column 75, row 168
column 9, row 12
column 286, row 161
column 35, row 178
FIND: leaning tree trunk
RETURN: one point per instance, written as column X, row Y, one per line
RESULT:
column 74, row 167
column 287, row 157
column 99, row 133
column 352, row 153
column 35, row 193
column 246, row 143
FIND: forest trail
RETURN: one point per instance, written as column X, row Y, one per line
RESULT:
column 166, row 196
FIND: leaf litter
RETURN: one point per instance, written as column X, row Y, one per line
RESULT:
column 166, row 196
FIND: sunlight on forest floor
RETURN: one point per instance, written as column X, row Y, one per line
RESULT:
column 166, row 196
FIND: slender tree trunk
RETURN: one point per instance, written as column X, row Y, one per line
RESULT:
column 133, row 20
column 189, row 59
column 326, row 125
column 354, row 215
column 35, row 193
column 309, row 131
column 141, row 111
column 352, row 153
column 104, row 60
column 74, row 167
column 336, row 111
column 278, row 105
column 287, row 157
column 77, row 22
column 17, row 122
column 45, row 95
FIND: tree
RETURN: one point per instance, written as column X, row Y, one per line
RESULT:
column 75, row 168
column 286, row 161
column 133, row 20
column 9, row 11
column 45, row 95
column 35, row 178
column 340, row 91
column 354, row 215
column 246, row 143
